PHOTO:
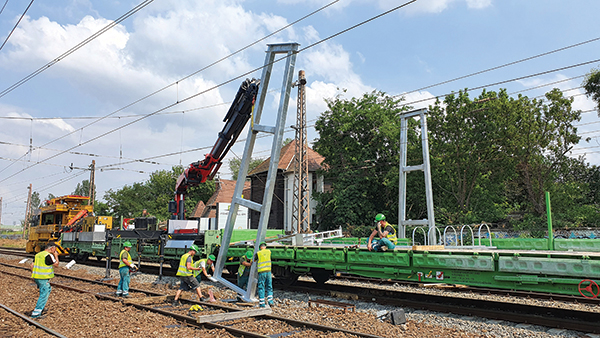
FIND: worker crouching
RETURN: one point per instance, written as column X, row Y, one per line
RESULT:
column 386, row 233
column 263, row 265
column 186, row 274
column 42, row 271
column 125, row 264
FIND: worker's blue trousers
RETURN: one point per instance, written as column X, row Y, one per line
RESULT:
column 378, row 243
column 243, row 281
column 265, row 285
column 123, row 287
column 45, row 288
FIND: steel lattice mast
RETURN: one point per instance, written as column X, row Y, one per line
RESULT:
column 301, row 201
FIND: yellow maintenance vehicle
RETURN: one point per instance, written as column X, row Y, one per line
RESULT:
column 63, row 214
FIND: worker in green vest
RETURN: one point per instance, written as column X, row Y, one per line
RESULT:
column 263, row 265
column 186, row 274
column 204, row 265
column 42, row 271
column 125, row 263
column 386, row 233
column 244, row 270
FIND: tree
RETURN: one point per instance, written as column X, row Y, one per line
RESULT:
column 83, row 188
column 154, row 195
column 591, row 84
column 359, row 139
column 234, row 166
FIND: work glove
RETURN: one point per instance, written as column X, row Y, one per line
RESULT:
column 133, row 266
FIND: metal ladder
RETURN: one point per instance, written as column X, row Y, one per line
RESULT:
column 290, row 49
column 404, row 169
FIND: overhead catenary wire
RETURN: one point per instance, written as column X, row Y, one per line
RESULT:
column 2, row 10
column 214, row 87
column 17, row 24
column 188, row 76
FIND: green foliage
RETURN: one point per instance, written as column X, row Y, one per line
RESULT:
column 154, row 195
column 359, row 139
column 82, row 189
column 591, row 84
column 491, row 156
column 234, row 166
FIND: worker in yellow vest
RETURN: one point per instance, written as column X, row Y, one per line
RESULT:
column 42, row 271
column 263, row 265
column 386, row 233
column 125, row 263
column 186, row 274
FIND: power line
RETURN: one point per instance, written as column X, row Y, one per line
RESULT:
column 2, row 10
column 184, row 78
column 21, row 18
column 214, row 87
column 501, row 66
column 505, row 81
column 76, row 47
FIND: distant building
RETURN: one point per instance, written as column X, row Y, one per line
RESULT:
column 211, row 214
column 281, row 206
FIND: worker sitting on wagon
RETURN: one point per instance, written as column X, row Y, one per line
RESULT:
column 186, row 274
column 244, row 270
column 125, row 263
column 387, row 235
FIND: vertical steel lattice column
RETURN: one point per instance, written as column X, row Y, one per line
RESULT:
column 301, row 201
column 404, row 169
column 290, row 49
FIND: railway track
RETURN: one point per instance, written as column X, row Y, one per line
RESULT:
column 10, row 327
column 518, row 313
column 144, row 300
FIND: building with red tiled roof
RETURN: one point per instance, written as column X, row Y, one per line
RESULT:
column 283, row 195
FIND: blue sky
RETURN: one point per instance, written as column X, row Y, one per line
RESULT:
column 422, row 44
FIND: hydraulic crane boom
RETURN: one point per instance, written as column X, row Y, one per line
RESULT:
column 198, row 172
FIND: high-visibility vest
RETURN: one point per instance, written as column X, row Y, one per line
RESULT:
column 183, row 270
column 242, row 267
column 391, row 236
column 264, row 260
column 121, row 258
column 40, row 269
column 197, row 265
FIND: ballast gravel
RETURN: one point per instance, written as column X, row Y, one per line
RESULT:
column 287, row 304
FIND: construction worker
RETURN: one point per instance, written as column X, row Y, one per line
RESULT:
column 186, row 274
column 244, row 269
column 263, row 265
column 125, row 263
column 387, row 235
column 42, row 271
column 203, row 264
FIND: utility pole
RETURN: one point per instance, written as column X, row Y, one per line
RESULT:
column 27, row 212
column 92, row 191
column 0, row 210
column 301, row 201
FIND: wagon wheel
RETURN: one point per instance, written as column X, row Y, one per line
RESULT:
column 588, row 287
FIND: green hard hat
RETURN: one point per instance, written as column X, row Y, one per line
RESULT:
column 195, row 248
column 127, row 244
column 380, row 217
column 249, row 254
column 212, row 257
column 262, row 244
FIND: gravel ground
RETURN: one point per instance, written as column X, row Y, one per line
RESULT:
column 13, row 326
column 295, row 305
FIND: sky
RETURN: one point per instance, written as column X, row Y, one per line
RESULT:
column 50, row 108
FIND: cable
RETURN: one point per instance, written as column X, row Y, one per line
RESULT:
column 2, row 10
column 79, row 45
column 214, row 87
column 501, row 66
column 505, row 81
column 21, row 18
